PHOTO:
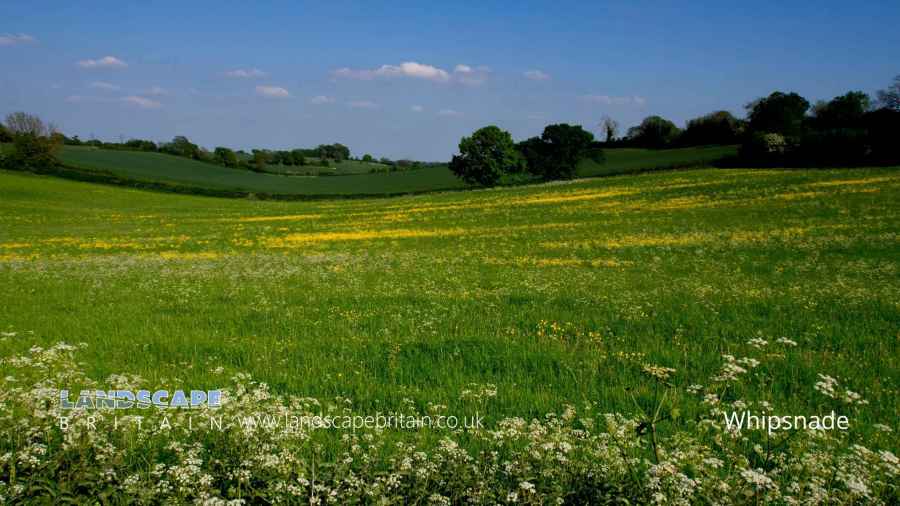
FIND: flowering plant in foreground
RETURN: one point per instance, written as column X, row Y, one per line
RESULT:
column 578, row 456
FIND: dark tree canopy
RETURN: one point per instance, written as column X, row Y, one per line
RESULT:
column 564, row 146
column 5, row 135
column 780, row 113
column 486, row 156
column 655, row 132
column 845, row 111
column 890, row 97
column 336, row 151
column 720, row 127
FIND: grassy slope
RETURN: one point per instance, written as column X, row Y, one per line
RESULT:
column 166, row 168
column 173, row 169
column 626, row 160
column 416, row 297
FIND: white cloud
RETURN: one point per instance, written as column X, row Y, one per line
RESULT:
column 321, row 99
column 246, row 73
column 470, row 76
column 100, row 85
column 610, row 100
column 272, row 92
column 143, row 103
column 536, row 75
column 362, row 104
column 11, row 39
column 449, row 112
column 105, row 62
column 405, row 69
column 417, row 108
column 462, row 73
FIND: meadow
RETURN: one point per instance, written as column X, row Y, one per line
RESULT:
column 356, row 177
column 600, row 326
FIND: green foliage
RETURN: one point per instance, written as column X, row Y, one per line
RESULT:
column 654, row 132
column 225, row 156
column 336, row 152
column 181, row 146
column 5, row 135
column 780, row 113
column 138, row 144
column 556, row 153
column 298, row 157
column 34, row 143
column 486, row 156
column 565, row 145
column 845, row 111
column 260, row 159
column 720, row 127
column 367, row 158
column 766, row 147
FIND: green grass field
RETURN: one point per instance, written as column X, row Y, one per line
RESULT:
column 356, row 179
column 553, row 295
column 158, row 167
column 629, row 160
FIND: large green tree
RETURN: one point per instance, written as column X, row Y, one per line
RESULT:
column 845, row 111
column 655, row 132
column 720, row 127
column 780, row 113
column 486, row 156
column 34, row 143
column 564, row 146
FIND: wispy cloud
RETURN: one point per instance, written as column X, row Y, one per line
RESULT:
column 449, row 112
column 246, row 73
column 100, row 85
column 611, row 100
column 141, row 102
column 471, row 76
column 406, row 69
column 417, row 108
column 362, row 104
column 272, row 92
column 105, row 62
column 131, row 100
column 461, row 73
column 12, row 39
column 321, row 99
column 536, row 75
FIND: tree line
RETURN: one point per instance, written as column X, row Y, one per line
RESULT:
column 781, row 129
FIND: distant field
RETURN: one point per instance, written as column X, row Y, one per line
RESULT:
column 157, row 167
column 177, row 170
column 627, row 160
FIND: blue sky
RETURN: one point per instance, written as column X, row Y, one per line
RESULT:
column 408, row 79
